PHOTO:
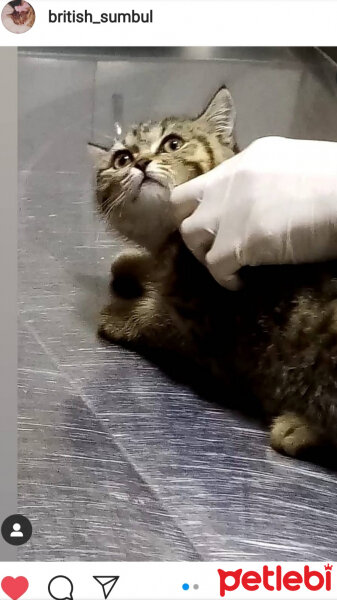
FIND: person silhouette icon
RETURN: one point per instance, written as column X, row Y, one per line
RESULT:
column 16, row 531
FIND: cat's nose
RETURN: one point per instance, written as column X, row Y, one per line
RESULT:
column 142, row 163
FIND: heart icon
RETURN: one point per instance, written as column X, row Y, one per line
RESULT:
column 14, row 587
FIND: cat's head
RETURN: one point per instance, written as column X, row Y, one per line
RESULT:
column 134, row 178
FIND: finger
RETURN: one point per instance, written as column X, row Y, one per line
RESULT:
column 198, row 240
column 222, row 262
column 232, row 283
column 186, row 197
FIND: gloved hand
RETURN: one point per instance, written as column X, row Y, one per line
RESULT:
column 274, row 203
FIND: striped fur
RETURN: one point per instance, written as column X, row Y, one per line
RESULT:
column 135, row 202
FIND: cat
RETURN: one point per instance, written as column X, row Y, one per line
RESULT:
column 278, row 334
column 22, row 14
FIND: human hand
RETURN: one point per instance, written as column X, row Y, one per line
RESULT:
column 23, row 7
column 274, row 203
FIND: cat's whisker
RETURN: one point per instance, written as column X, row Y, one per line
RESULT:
column 115, row 203
column 109, row 205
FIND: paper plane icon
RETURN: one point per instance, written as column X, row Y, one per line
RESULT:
column 107, row 583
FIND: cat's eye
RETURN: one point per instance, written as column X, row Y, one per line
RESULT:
column 121, row 159
column 171, row 143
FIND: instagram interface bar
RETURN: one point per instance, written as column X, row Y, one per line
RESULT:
column 156, row 581
column 100, row 23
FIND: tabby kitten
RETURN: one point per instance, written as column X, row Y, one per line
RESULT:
column 278, row 334
column 22, row 17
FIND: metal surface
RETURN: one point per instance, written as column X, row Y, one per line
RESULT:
column 117, row 460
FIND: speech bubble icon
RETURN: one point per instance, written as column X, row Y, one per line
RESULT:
column 61, row 588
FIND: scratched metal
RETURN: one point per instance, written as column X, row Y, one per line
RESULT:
column 116, row 459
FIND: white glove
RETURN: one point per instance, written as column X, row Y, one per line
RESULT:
column 274, row 203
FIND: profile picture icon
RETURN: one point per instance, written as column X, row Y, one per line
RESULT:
column 16, row 532
column 18, row 16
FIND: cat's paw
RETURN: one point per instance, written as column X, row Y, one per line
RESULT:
column 110, row 326
column 129, row 272
column 292, row 434
column 131, row 262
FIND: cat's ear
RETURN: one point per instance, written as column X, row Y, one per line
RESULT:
column 220, row 114
column 100, row 156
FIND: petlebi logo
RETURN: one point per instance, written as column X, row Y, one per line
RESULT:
column 276, row 579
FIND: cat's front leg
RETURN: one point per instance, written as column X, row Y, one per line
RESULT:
column 292, row 434
column 122, row 320
column 141, row 320
column 130, row 272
